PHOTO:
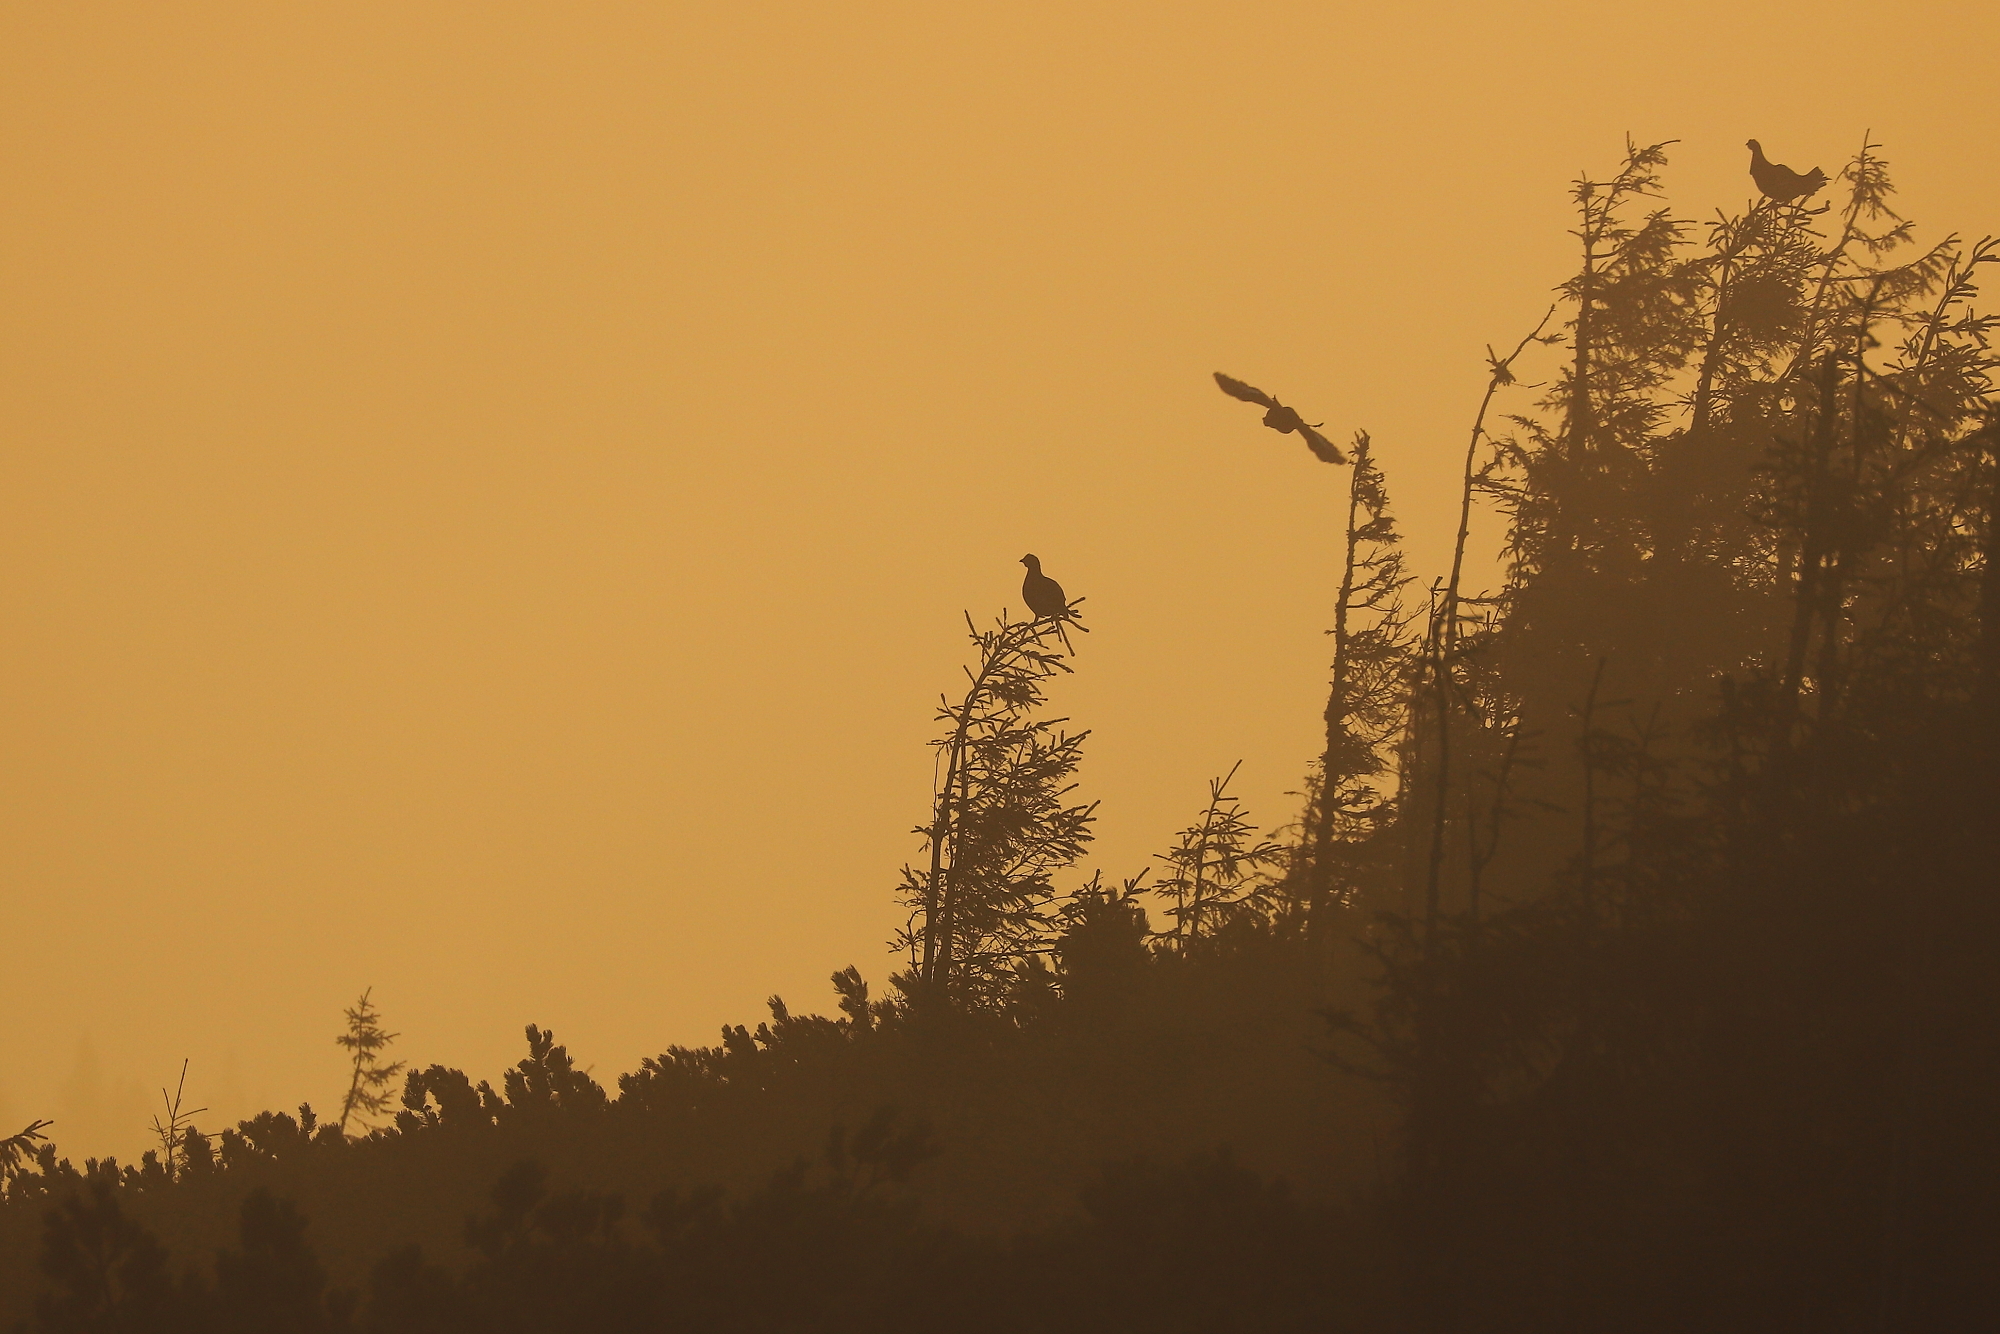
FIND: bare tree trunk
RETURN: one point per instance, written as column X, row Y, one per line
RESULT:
column 1320, row 886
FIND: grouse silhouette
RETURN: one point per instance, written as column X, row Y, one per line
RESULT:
column 1779, row 182
column 1043, row 595
column 1281, row 418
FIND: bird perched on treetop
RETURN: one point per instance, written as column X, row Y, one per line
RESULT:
column 1780, row 182
column 1043, row 595
column 1281, row 418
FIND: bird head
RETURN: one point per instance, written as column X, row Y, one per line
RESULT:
column 1032, row 562
column 1753, row 145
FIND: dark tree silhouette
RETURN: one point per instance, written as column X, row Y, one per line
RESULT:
column 105, row 1272
column 368, row 1087
column 21, row 1147
column 1001, row 824
column 1214, row 872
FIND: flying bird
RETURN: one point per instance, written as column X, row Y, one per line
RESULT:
column 1281, row 418
column 1043, row 595
column 1779, row 182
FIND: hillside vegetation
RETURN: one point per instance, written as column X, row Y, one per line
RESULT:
column 1632, row 964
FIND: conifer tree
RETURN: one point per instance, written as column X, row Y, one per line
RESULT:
column 1748, row 905
column 21, row 1147
column 1212, row 874
column 1002, row 823
column 1351, row 793
column 1578, row 542
column 368, row 1088
column 175, row 1130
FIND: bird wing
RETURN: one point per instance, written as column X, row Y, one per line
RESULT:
column 1248, row 393
column 1323, row 449
column 1043, row 595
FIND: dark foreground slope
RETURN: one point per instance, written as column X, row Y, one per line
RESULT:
column 1172, row 1125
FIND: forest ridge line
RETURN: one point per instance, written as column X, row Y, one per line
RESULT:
column 1630, row 964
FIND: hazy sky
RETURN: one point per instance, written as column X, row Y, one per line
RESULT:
column 487, row 491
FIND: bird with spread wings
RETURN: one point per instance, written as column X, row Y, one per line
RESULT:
column 1282, row 419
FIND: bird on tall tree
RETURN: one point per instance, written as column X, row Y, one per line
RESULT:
column 1779, row 182
column 1043, row 595
column 1282, row 419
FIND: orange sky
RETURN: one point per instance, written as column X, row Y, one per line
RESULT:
column 487, row 491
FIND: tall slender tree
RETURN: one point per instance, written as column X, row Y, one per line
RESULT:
column 1002, row 820
column 1351, row 793
column 368, row 1085
column 1214, row 871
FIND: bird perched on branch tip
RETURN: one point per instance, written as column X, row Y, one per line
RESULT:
column 1043, row 595
column 1779, row 182
column 1282, row 419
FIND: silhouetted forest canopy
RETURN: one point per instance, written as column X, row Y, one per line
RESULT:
column 1631, row 964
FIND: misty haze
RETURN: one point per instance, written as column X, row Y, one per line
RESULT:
column 958, row 668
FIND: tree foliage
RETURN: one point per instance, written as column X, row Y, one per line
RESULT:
column 1002, row 822
column 366, row 1040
